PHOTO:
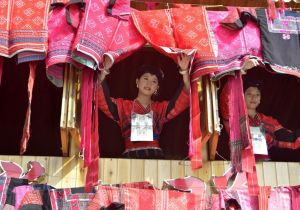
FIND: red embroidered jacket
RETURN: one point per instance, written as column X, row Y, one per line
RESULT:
column 120, row 111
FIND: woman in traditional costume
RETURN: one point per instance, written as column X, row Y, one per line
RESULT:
column 141, row 120
column 267, row 134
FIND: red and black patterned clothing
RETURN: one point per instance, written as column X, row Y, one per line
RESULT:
column 276, row 134
column 120, row 111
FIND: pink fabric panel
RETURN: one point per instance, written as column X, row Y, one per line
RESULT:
column 61, row 38
column 280, row 198
column 99, row 33
column 232, row 45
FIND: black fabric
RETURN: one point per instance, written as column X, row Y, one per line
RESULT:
column 144, row 154
column 10, row 195
column 81, row 4
column 46, row 200
column 110, row 6
column 174, row 99
column 284, row 135
column 111, row 106
column 297, row 133
column 114, row 206
column 286, row 155
column 56, row 4
column 279, row 49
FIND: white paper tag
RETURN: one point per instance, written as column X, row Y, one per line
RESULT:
column 259, row 142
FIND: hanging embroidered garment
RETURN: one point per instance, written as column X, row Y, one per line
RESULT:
column 24, row 29
column 134, row 198
column 234, row 46
column 61, row 38
column 99, row 33
column 175, row 31
column 277, row 37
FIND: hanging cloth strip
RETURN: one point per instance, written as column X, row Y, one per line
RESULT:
column 279, row 37
column 173, row 31
column 233, row 110
column 89, row 127
column 61, row 38
column 99, row 33
column 24, row 29
column 234, row 46
column 26, row 128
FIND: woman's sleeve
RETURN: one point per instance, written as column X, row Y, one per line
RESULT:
column 178, row 104
column 107, row 104
column 285, row 138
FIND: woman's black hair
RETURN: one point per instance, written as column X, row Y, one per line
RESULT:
column 154, row 70
column 252, row 83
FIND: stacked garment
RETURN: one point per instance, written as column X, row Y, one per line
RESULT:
column 24, row 29
column 277, row 37
column 23, row 32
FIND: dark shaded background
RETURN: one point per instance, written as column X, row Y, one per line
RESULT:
column 281, row 100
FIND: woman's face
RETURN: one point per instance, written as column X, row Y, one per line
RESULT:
column 147, row 84
column 252, row 97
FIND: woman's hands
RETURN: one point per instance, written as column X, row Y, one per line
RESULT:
column 184, row 61
column 107, row 63
column 249, row 64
